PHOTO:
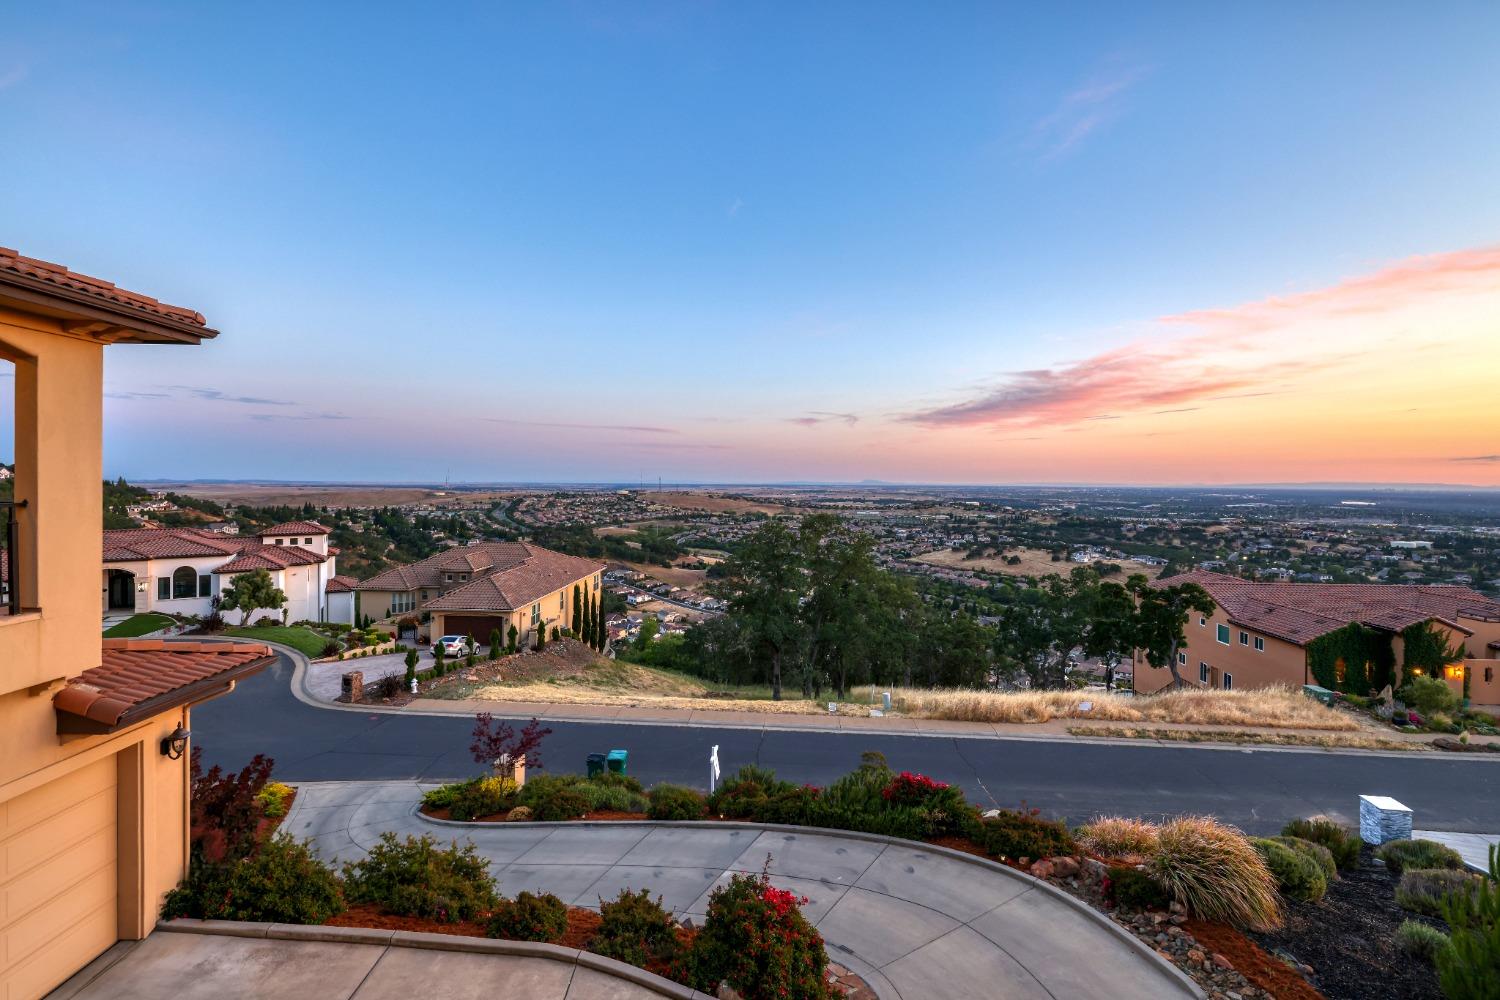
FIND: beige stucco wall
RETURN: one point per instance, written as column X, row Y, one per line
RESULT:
column 58, row 433
column 556, row 611
column 1280, row 663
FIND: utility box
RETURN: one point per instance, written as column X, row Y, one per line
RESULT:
column 1382, row 819
column 595, row 764
column 616, row 761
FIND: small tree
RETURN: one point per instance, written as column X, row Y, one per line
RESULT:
column 250, row 592
column 411, row 667
column 541, row 636
column 601, row 634
column 577, row 610
column 647, row 633
column 1161, row 614
column 438, row 667
column 495, row 738
column 511, row 636
column 586, row 626
column 494, row 644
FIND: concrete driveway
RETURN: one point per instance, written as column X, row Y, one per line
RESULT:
column 917, row 923
column 228, row 961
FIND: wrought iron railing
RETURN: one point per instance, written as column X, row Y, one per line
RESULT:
column 12, row 553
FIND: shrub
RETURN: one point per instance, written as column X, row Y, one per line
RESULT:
column 626, row 781
column 635, row 929
column 388, row 686
column 794, row 806
column 756, row 939
column 520, row 814
column 282, row 882
column 674, row 802
column 1297, row 875
column 1215, row 872
column 1118, row 837
column 330, row 649
column 908, row 789
column 273, row 799
column 557, row 805
column 1134, row 889
column 226, row 810
column 442, row 796
column 1320, row 855
column 616, row 798
column 529, row 918
column 737, row 796
column 482, row 797
column 1470, row 966
column 1343, row 843
column 1400, row 855
column 1421, row 941
column 1424, row 890
column 416, row 878
column 1429, row 695
column 1024, row 834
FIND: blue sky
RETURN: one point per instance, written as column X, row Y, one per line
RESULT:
column 729, row 242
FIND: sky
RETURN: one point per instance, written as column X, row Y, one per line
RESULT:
column 712, row 242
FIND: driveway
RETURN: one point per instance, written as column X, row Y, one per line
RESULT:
column 915, row 922
column 226, row 961
column 325, row 681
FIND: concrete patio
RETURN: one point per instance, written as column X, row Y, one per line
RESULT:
column 915, row 922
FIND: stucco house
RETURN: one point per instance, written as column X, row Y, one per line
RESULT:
column 94, row 770
column 1263, row 634
column 181, row 570
column 479, row 588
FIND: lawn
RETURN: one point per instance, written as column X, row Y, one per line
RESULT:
column 303, row 640
column 138, row 625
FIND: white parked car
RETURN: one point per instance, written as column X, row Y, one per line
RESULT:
column 453, row 646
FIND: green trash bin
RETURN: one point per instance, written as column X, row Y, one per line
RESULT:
column 595, row 765
column 616, row 761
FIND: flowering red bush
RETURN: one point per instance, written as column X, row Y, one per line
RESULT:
column 908, row 789
column 756, row 940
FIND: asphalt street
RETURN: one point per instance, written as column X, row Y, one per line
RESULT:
column 1257, row 790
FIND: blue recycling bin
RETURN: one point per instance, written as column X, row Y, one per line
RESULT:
column 616, row 760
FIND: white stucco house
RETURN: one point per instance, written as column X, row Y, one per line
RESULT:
column 181, row 570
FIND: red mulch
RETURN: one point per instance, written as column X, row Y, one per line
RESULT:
column 615, row 814
column 370, row 915
column 1252, row 962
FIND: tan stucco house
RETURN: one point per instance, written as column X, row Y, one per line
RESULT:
column 181, row 570
column 93, row 787
column 479, row 588
column 1260, row 634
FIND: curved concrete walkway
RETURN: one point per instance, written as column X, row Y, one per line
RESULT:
column 918, row 923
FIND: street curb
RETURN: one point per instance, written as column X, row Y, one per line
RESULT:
column 300, row 691
column 434, row 942
column 1183, row 979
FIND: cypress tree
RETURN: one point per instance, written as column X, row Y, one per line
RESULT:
column 586, row 631
column 577, row 611
column 494, row 644
column 510, row 645
column 601, row 635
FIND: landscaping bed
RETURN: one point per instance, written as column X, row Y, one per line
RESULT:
column 1348, row 939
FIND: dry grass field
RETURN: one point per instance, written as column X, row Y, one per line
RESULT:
column 675, row 575
column 1280, row 708
column 1034, row 562
column 715, row 504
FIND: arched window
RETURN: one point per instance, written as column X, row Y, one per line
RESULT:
column 184, row 582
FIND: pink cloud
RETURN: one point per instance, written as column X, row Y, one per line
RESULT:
column 1386, row 290
column 1150, row 374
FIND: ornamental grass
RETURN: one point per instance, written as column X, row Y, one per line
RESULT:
column 1216, row 872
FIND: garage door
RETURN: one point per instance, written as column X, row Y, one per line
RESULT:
column 478, row 626
column 57, row 880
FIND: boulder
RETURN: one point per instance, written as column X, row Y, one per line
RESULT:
column 1064, row 867
column 1042, row 869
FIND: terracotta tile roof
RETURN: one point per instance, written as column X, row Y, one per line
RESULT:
column 294, row 528
column 518, row 585
column 140, row 678
column 1301, row 612
column 135, row 544
column 12, row 262
column 429, row 572
column 341, row 584
column 270, row 557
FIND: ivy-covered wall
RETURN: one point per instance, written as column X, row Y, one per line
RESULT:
column 1427, row 647
column 1368, row 660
